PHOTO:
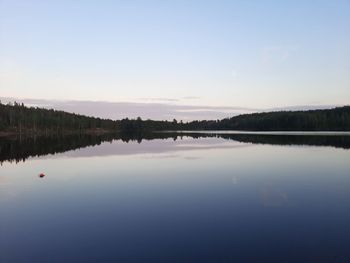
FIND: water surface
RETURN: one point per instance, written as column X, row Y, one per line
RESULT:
column 176, row 198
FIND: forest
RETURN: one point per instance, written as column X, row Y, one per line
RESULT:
column 16, row 118
column 337, row 119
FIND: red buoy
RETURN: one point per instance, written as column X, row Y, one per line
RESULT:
column 41, row 175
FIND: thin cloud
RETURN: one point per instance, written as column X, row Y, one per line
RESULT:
column 159, row 99
column 271, row 54
column 304, row 107
column 150, row 110
column 191, row 98
column 145, row 110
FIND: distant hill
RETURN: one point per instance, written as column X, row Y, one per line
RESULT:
column 337, row 119
column 18, row 119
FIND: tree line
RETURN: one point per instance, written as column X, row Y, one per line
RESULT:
column 17, row 118
column 337, row 119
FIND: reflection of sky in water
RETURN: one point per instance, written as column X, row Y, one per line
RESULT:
column 178, row 201
column 158, row 147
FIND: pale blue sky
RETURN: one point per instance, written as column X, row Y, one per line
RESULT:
column 257, row 54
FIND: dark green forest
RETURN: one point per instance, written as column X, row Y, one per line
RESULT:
column 337, row 119
column 18, row 119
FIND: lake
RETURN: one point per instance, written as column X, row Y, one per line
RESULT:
column 189, row 197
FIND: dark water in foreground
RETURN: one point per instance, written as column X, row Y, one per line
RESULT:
column 167, row 198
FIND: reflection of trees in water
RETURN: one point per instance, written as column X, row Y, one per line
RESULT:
column 16, row 150
column 312, row 140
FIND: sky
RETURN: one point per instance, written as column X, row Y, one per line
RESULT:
column 204, row 59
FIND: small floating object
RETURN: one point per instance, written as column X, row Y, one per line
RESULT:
column 41, row 175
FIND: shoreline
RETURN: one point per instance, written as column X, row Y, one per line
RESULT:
column 291, row 133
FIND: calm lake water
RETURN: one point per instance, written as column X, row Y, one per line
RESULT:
column 167, row 198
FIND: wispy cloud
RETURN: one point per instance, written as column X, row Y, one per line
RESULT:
column 304, row 107
column 191, row 98
column 278, row 53
column 158, row 99
column 152, row 110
